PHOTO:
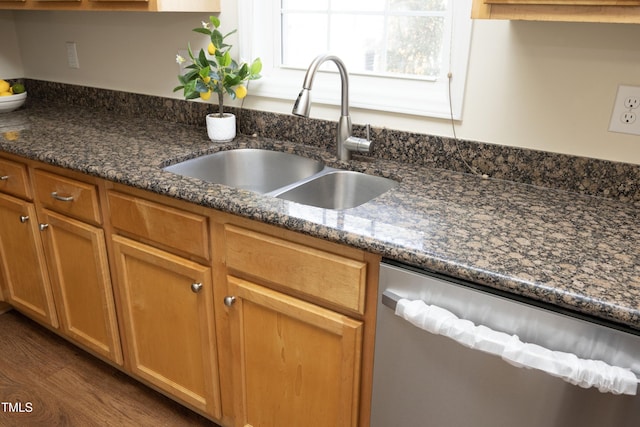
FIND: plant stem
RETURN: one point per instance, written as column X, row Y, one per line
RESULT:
column 221, row 104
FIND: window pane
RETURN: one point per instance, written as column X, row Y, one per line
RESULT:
column 305, row 4
column 365, row 49
column 415, row 45
column 298, row 48
column 383, row 37
column 358, row 5
column 419, row 5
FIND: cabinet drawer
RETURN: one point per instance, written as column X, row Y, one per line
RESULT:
column 323, row 275
column 14, row 179
column 167, row 226
column 67, row 196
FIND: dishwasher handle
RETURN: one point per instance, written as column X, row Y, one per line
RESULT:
column 567, row 366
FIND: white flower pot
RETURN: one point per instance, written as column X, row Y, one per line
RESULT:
column 221, row 129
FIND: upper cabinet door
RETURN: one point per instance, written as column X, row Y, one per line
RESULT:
column 208, row 6
column 622, row 11
column 568, row 2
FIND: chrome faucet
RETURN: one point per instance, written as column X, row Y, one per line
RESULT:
column 345, row 141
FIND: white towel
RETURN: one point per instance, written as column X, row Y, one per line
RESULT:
column 582, row 372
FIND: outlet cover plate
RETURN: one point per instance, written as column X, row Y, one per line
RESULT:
column 625, row 117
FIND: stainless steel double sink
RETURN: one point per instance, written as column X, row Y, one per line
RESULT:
column 286, row 176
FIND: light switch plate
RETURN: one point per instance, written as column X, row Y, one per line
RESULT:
column 72, row 55
column 625, row 117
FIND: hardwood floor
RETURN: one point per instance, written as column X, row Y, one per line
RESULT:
column 65, row 386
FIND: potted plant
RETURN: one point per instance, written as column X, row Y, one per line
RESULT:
column 214, row 71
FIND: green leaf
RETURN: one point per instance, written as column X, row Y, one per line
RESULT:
column 202, row 30
column 204, row 72
column 202, row 62
column 226, row 59
column 217, row 39
column 192, row 95
column 215, row 22
column 228, row 34
column 243, row 72
column 201, row 86
column 256, row 66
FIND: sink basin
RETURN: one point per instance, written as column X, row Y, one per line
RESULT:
column 261, row 171
column 339, row 190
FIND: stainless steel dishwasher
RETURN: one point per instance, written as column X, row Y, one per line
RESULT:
column 426, row 379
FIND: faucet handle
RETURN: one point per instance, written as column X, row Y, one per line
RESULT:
column 361, row 145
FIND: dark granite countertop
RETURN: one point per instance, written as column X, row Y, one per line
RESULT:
column 577, row 252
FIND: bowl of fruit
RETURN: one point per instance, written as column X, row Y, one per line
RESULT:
column 12, row 96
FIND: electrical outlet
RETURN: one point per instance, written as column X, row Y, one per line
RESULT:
column 628, row 117
column 632, row 102
column 624, row 118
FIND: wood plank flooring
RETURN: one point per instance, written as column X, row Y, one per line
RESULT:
column 66, row 386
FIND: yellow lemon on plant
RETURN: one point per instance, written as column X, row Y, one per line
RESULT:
column 4, row 86
column 205, row 95
column 206, row 80
column 241, row 92
column 211, row 49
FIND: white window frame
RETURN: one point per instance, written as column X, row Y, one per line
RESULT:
column 260, row 36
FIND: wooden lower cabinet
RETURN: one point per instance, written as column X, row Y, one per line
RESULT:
column 78, row 262
column 24, row 270
column 168, row 323
column 295, row 364
column 142, row 281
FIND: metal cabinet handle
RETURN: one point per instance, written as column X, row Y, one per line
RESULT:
column 56, row 196
column 229, row 301
column 4, row 177
column 43, row 227
column 24, row 218
column 196, row 287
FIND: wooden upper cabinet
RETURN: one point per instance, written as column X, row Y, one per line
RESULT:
column 614, row 11
column 209, row 6
column 569, row 2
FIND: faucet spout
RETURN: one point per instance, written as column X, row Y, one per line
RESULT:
column 345, row 142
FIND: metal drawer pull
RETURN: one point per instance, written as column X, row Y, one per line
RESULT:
column 228, row 301
column 196, row 287
column 24, row 218
column 567, row 366
column 4, row 177
column 56, row 196
column 43, row 227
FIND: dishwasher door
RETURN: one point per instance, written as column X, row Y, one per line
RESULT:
column 421, row 379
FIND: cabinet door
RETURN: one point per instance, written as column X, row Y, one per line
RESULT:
column 567, row 2
column 24, row 271
column 295, row 364
column 167, row 306
column 79, row 267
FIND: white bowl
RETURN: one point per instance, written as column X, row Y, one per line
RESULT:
column 10, row 103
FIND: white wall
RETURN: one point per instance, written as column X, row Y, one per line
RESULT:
column 10, row 62
column 547, row 86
